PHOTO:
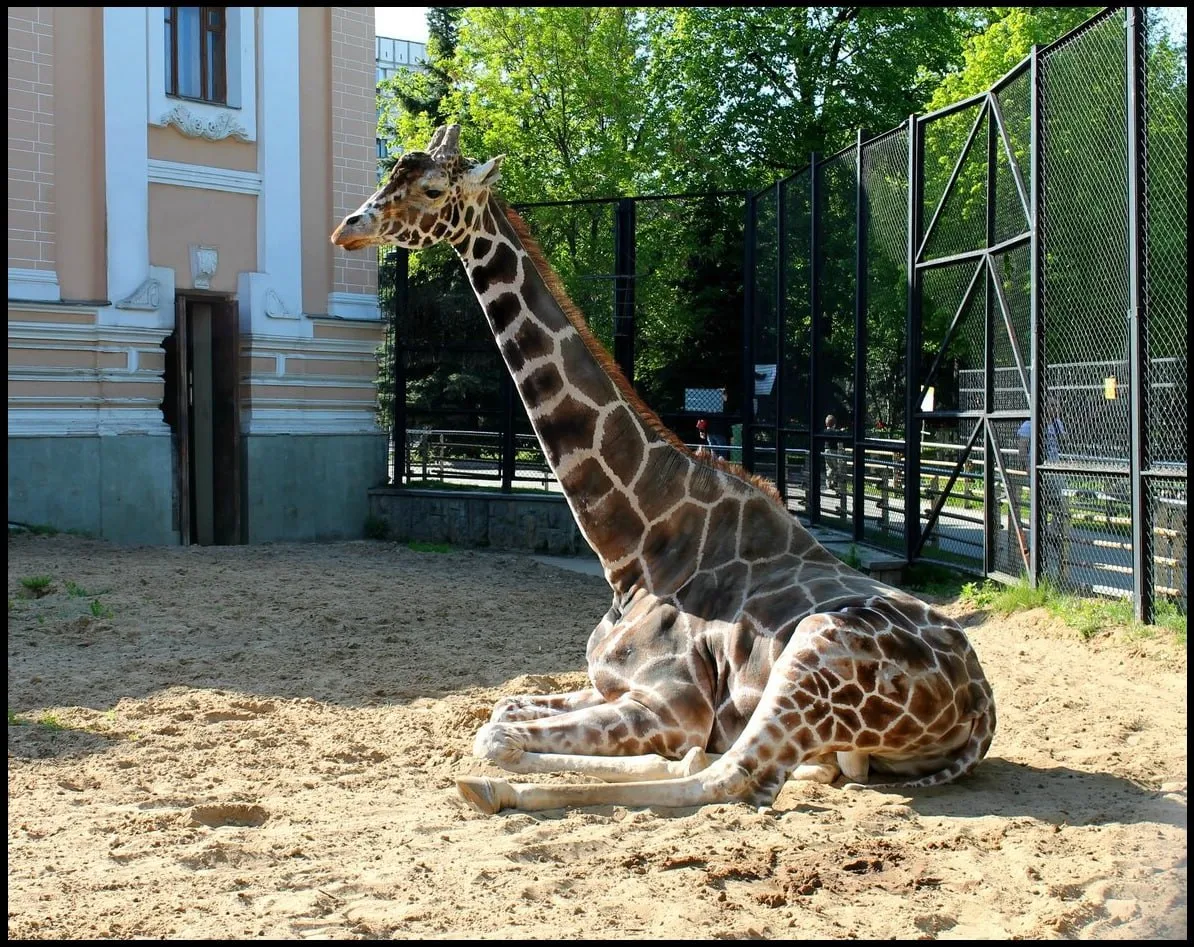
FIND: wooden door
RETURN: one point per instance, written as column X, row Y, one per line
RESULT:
column 182, row 420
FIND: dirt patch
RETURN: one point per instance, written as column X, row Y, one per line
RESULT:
column 262, row 741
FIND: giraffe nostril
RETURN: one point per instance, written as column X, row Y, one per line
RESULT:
column 353, row 220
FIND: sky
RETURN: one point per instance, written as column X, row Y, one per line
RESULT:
column 402, row 22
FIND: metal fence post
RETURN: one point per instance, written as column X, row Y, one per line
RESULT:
column 1137, row 324
column 912, row 344
column 624, row 271
column 990, row 503
column 861, row 222
column 814, row 440
column 748, row 333
column 1036, row 329
column 781, row 294
column 401, row 306
column 508, row 447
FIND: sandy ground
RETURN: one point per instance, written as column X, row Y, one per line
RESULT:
column 262, row 741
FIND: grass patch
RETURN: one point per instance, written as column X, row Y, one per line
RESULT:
column 931, row 579
column 850, row 557
column 429, row 547
column 37, row 585
column 15, row 719
column 99, row 610
column 376, row 527
column 50, row 722
column 74, row 590
column 1088, row 616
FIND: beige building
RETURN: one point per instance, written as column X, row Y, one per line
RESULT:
column 190, row 360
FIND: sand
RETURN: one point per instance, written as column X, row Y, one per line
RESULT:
column 261, row 742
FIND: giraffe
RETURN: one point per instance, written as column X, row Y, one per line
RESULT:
column 737, row 651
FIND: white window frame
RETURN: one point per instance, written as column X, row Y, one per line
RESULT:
column 236, row 119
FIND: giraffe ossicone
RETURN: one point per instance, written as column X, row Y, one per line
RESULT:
column 737, row 651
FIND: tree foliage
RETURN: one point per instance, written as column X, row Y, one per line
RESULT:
column 593, row 102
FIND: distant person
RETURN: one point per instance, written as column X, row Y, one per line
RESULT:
column 835, row 466
column 1054, row 509
column 712, row 443
column 704, row 449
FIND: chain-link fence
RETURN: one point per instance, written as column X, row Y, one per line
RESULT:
column 978, row 324
column 660, row 283
column 963, row 339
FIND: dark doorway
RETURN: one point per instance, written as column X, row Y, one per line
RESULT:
column 202, row 407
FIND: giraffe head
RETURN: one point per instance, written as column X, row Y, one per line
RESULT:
column 430, row 196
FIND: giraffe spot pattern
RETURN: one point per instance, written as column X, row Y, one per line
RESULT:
column 670, row 548
column 721, row 542
column 587, row 482
column 503, row 311
column 542, row 384
column 585, row 372
column 501, row 268
column 622, row 443
column 570, row 426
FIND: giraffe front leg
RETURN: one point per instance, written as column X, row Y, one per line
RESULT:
column 537, row 706
column 622, row 728
column 614, row 769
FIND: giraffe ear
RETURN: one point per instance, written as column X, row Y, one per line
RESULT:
column 487, row 174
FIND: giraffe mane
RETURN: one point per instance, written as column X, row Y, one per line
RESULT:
column 556, row 287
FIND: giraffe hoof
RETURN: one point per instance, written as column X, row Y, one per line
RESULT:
column 493, row 743
column 480, row 792
column 694, row 761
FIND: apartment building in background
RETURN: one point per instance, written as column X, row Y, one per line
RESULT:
column 190, row 359
column 394, row 55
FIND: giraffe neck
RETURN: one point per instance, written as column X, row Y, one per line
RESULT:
column 619, row 468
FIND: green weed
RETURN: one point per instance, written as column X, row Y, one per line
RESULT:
column 429, row 547
column 376, row 527
column 99, row 610
column 50, row 722
column 37, row 585
column 1088, row 616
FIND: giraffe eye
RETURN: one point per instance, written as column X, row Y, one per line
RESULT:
column 433, row 193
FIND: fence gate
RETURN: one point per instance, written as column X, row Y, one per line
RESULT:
column 971, row 293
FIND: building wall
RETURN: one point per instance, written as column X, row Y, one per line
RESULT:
column 79, row 135
column 354, row 142
column 31, row 206
column 315, row 131
column 143, row 181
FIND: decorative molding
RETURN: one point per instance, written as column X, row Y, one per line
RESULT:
column 204, row 261
column 90, row 335
column 33, row 284
column 146, row 297
column 302, row 420
column 268, row 309
column 213, row 128
column 357, row 306
column 345, row 382
column 238, row 118
column 101, row 421
column 276, row 309
column 178, row 174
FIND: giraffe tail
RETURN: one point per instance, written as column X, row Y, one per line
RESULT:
column 982, row 731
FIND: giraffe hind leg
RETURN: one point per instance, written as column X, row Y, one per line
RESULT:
column 823, row 770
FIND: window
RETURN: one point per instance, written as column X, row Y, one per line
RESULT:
column 196, row 56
